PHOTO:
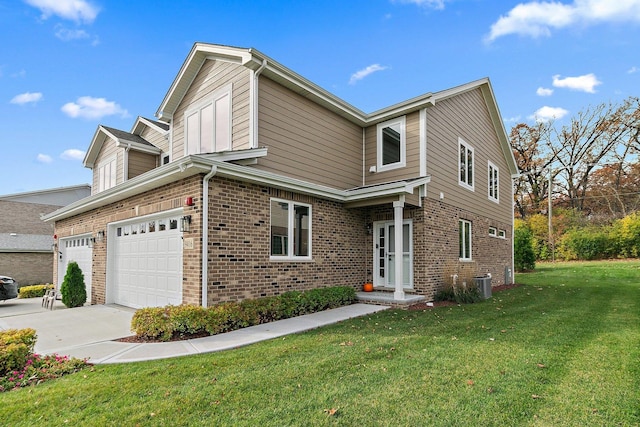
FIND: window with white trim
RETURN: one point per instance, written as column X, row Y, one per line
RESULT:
column 290, row 230
column 107, row 174
column 391, row 144
column 464, row 239
column 465, row 164
column 207, row 129
column 494, row 183
column 493, row 232
column 502, row 234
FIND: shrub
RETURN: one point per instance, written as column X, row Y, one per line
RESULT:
column 74, row 292
column 524, row 256
column 15, row 347
column 165, row 323
column 33, row 291
column 586, row 244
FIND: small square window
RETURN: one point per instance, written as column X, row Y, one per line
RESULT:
column 502, row 234
column 493, row 231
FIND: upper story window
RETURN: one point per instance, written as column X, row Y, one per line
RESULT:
column 465, row 164
column 208, row 127
column 107, row 174
column 290, row 230
column 494, row 181
column 391, row 144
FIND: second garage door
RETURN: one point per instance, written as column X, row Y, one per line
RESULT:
column 146, row 264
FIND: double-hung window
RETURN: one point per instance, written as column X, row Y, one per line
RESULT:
column 391, row 144
column 208, row 127
column 290, row 230
column 465, row 164
column 464, row 240
column 107, row 174
column 494, row 183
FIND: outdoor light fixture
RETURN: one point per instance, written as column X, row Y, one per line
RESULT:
column 91, row 241
column 100, row 236
column 185, row 223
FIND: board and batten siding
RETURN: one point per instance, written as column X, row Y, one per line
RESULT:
column 466, row 116
column 156, row 138
column 212, row 76
column 412, row 168
column 140, row 163
column 307, row 141
column 107, row 151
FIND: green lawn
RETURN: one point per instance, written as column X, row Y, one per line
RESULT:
column 564, row 349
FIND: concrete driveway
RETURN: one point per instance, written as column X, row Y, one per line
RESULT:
column 62, row 329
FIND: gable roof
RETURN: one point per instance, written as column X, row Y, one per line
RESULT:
column 123, row 139
column 253, row 59
column 60, row 196
column 12, row 242
column 142, row 122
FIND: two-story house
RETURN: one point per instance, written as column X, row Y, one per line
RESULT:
column 252, row 181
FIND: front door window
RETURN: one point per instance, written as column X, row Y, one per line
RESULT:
column 385, row 253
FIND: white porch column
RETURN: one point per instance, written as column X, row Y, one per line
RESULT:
column 398, row 209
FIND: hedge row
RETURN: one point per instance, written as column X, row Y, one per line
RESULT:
column 171, row 322
column 33, row 291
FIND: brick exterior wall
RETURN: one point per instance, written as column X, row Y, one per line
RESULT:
column 239, row 264
column 239, row 242
column 24, row 218
column 27, row 268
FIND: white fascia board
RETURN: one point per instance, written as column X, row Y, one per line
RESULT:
column 124, row 143
column 141, row 121
column 94, row 148
column 232, row 156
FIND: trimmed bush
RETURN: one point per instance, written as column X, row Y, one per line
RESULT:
column 73, row 290
column 33, row 291
column 15, row 347
column 170, row 322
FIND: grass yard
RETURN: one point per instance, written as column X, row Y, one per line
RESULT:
column 562, row 350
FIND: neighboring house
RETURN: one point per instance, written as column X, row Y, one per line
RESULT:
column 294, row 189
column 26, row 241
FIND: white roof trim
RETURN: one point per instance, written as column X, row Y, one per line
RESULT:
column 193, row 165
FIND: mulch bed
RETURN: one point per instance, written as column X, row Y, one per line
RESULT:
column 424, row 306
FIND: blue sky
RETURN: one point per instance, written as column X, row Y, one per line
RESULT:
column 69, row 65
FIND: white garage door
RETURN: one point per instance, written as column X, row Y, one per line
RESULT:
column 146, row 264
column 75, row 249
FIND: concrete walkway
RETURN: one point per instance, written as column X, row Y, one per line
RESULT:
column 89, row 332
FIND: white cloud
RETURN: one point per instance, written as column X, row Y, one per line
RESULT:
column 359, row 75
column 633, row 70
column 432, row 4
column 26, row 98
column 44, row 158
column 537, row 19
column 88, row 107
column 543, row 91
column 72, row 154
column 546, row 114
column 74, row 10
column 586, row 83
column 511, row 119
column 66, row 34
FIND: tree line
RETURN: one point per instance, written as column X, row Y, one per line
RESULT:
column 587, row 171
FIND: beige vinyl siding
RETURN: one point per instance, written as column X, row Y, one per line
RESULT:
column 156, row 138
column 140, row 163
column 466, row 116
column 412, row 168
column 212, row 76
column 108, row 151
column 307, row 141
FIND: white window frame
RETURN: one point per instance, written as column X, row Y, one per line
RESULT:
column 468, row 148
column 211, row 102
column 493, row 175
column 112, row 163
column 402, row 122
column 502, row 234
column 461, row 245
column 290, row 232
column 493, row 232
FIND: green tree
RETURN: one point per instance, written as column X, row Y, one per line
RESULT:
column 524, row 256
column 73, row 289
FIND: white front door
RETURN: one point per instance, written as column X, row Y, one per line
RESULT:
column 76, row 249
column 385, row 254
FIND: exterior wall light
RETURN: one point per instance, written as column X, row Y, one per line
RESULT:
column 185, row 223
column 100, row 236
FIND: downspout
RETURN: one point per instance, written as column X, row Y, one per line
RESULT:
column 253, row 106
column 125, row 163
column 205, row 234
column 364, row 166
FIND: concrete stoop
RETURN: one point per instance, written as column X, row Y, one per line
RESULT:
column 388, row 299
